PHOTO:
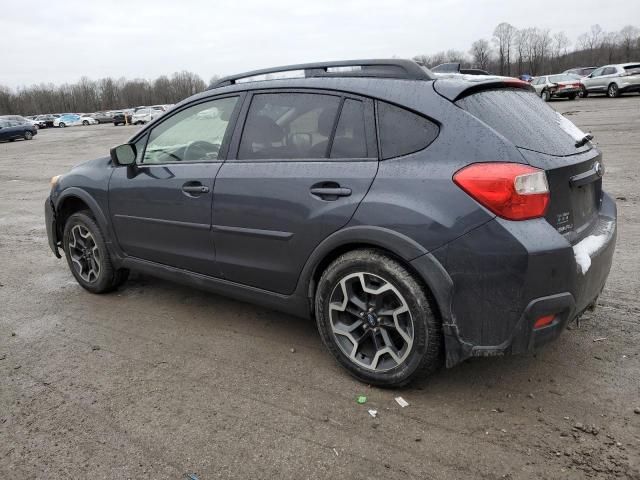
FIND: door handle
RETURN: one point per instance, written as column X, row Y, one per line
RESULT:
column 330, row 192
column 195, row 188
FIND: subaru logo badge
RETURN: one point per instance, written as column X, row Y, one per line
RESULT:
column 599, row 168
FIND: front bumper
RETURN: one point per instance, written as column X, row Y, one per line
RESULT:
column 52, row 230
column 506, row 275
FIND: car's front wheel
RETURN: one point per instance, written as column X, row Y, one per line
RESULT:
column 376, row 319
column 546, row 96
column 85, row 122
column 87, row 255
column 28, row 135
column 61, row 125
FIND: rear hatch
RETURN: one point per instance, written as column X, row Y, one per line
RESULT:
column 549, row 141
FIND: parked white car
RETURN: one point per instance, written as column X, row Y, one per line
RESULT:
column 613, row 80
column 72, row 119
column 145, row 115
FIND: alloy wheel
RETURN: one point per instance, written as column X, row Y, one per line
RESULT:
column 613, row 90
column 371, row 321
column 84, row 253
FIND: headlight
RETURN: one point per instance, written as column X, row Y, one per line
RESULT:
column 54, row 180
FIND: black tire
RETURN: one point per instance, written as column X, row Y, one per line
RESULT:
column 422, row 357
column 613, row 91
column 583, row 93
column 573, row 96
column 108, row 277
column 85, row 122
column 545, row 95
column 28, row 135
column 61, row 125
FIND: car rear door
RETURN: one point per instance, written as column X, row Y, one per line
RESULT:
column 161, row 207
column 300, row 163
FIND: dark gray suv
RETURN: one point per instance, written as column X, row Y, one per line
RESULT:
column 418, row 220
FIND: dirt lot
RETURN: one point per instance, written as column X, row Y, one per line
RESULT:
column 158, row 380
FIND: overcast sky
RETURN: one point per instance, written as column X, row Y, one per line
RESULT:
column 60, row 41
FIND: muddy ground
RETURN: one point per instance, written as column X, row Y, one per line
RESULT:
column 158, row 380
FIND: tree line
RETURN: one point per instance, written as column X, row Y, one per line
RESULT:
column 88, row 96
column 510, row 51
column 536, row 51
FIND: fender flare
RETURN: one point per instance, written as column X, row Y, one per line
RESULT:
column 98, row 214
column 416, row 257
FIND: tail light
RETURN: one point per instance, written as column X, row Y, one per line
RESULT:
column 544, row 321
column 510, row 190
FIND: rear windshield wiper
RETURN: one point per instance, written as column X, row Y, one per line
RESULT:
column 587, row 138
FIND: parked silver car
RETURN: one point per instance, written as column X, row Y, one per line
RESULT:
column 613, row 80
column 562, row 85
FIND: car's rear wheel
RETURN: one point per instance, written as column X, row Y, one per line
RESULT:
column 87, row 255
column 583, row 93
column 613, row 91
column 376, row 319
column 573, row 96
column 85, row 122
column 61, row 125
column 28, row 135
column 546, row 96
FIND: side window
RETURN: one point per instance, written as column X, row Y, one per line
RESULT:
column 193, row 135
column 403, row 132
column 350, row 140
column 609, row 71
column 597, row 72
column 288, row 126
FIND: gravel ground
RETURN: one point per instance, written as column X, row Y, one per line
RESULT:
column 158, row 380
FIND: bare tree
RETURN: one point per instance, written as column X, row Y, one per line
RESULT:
column 629, row 37
column 481, row 53
column 504, row 37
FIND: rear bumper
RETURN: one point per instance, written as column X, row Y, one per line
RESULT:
column 50, row 222
column 506, row 275
column 565, row 93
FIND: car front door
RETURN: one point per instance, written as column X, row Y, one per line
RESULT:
column 161, row 207
column 594, row 82
column 304, row 162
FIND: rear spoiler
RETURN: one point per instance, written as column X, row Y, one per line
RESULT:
column 455, row 87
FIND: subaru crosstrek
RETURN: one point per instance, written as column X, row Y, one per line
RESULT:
column 418, row 220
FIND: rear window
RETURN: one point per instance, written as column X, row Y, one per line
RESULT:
column 632, row 68
column 525, row 120
column 560, row 78
column 403, row 132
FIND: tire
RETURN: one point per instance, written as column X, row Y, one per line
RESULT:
column 545, row 95
column 28, row 135
column 85, row 123
column 61, row 125
column 573, row 96
column 87, row 255
column 613, row 91
column 583, row 93
column 415, row 335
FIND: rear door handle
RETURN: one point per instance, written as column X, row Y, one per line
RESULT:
column 331, row 191
column 194, row 188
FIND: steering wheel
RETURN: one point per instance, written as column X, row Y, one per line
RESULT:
column 200, row 150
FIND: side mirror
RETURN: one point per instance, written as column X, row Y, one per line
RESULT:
column 124, row 154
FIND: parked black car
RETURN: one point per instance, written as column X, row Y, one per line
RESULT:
column 414, row 218
column 102, row 117
column 119, row 118
column 45, row 121
column 12, row 129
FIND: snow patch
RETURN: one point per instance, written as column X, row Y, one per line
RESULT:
column 586, row 248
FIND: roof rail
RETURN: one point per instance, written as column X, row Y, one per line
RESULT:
column 382, row 68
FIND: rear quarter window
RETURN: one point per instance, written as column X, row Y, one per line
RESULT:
column 525, row 120
column 402, row 132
